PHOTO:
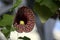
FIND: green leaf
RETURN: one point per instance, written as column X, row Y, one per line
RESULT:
column 6, row 24
column 43, row 11
column 24, row 38
column 7, row 20
column 20, row 37
column 50, row 4
column 6, row 32
column 16, row 4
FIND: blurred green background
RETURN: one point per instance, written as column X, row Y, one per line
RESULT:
column 46, row 8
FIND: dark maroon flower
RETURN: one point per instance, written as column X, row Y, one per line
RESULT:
column 27, row 15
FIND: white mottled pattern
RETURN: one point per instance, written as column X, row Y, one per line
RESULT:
column 33, row 35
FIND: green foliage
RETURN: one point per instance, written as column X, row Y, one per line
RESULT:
column 24, row 38
column 6, row 24
column 50, row 4
column 6, row 32
column 45, row 9
column 57, row 2
column 43, row 12
column 16, row 4
column 7, row 20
